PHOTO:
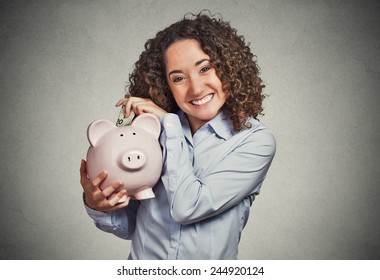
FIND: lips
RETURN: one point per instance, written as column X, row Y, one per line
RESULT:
column 202, row 101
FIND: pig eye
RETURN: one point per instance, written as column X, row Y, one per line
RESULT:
column 134, row 133
column 121, row 135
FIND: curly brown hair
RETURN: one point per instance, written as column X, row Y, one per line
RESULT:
column 231, row 56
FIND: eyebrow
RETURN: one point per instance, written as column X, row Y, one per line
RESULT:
column 196, row 64
column 201, row 61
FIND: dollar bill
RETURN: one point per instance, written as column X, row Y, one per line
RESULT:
column 122, row 120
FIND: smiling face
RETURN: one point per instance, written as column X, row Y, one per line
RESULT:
column 193, row 82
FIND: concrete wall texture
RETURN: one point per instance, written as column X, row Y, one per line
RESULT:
column 65, row 64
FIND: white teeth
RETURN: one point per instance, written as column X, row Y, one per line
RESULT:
column 202, row 101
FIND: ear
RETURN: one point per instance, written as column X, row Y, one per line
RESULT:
column 149, row 123
column 96, row 129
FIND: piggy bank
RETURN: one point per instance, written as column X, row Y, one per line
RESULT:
column 130, row 154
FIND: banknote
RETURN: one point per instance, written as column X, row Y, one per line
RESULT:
column 122, row 120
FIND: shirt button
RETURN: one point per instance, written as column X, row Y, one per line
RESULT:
column 171, row 156
column 173, row 244
column 168, row 124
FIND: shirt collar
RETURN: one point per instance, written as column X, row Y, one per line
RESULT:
column 220, row 125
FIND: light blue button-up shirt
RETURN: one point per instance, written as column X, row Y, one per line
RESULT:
column 203, row 199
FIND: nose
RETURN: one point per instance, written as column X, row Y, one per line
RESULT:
column 133, row 160
column 196, row 87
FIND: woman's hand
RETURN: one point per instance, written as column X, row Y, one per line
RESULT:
column 101, row 200
column 140, row 105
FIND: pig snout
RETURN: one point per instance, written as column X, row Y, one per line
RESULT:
column 133, row 159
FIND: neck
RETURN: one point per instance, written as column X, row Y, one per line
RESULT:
column 195, row 123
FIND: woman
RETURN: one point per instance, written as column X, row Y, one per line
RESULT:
column 201, row 80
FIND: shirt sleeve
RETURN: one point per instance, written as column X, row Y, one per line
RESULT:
column 121, row 222
column 237, row 175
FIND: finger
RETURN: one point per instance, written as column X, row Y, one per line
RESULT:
column 139, row 107
column 99, row 179
column 127, row 109
column 110, row 189
column 115, row 199
column 82, row 170
column 149, row 107
column 83, row 166
column 122, row 204
column 83, row 173
column 97, row 197
column 121, row 102
column 130, row 104
column 146, row 106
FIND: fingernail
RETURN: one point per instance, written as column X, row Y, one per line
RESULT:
column 103, row 174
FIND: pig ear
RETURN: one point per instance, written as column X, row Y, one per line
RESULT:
column 96, row 129
column 149, row 123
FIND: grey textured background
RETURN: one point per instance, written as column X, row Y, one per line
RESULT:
column 65, row 64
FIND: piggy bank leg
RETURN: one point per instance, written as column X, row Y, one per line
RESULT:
column 144, row 194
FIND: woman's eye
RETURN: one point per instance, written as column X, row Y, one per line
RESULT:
column 205, row 69
column 177, row 79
